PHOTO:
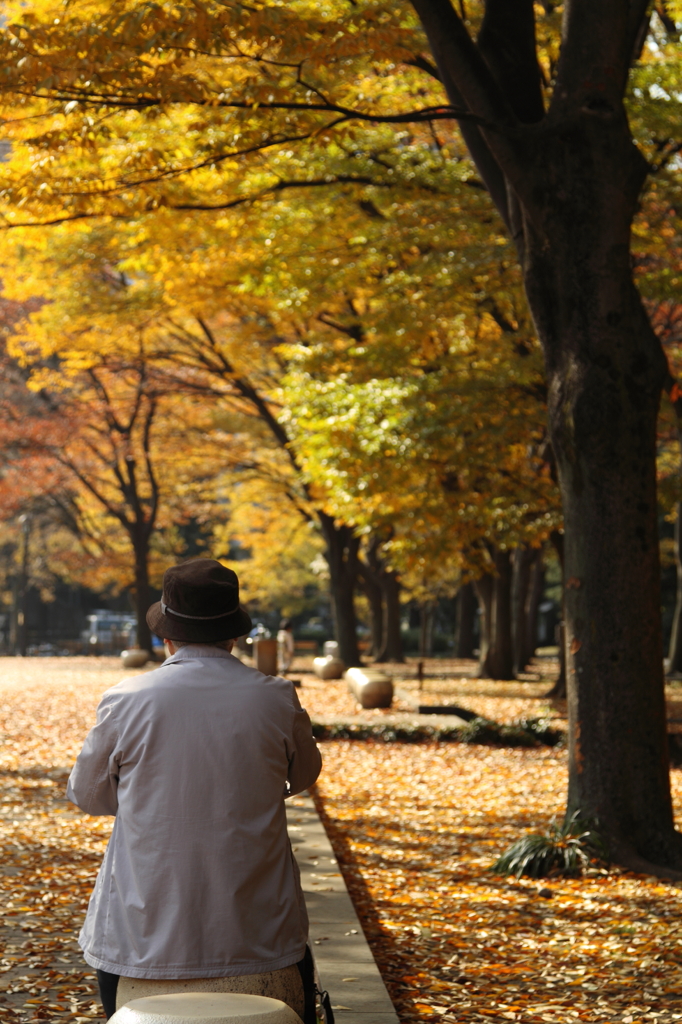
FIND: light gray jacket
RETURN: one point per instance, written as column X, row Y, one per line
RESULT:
column 198, row 879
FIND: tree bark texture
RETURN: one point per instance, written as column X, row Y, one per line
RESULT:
column 675, row 649
column 496, row 657
column 560, row 688
column 573, row 178
column 605, row 374
column 484, row 592
column 392, row 648
column 501, row 654
column 384, row 584
column 342, row 558
column 375, row 600
column 467, row 606
column 22, row 630
column 426, row 631
column 537, row 589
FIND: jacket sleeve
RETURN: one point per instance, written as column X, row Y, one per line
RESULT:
column 93, row 783
column 305, row 760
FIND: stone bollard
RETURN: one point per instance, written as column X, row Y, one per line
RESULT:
column 134, row 657
column 265, row 656
column 371, row 689
column 206, row 1008
column 328, row 667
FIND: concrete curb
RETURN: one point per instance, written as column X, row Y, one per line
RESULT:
column 344, row 960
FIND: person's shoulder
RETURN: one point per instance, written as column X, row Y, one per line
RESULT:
column 257, row 677
column 274, row 684
column 139, row 682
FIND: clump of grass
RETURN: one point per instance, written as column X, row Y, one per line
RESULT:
column 566, row 850
column 480, row 730
column 484, row 730
column 526, row 733
column 541, row 729
column 384, row 733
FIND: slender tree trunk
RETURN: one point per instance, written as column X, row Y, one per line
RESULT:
column 559, row 689
column 496, row 657
column 484, row 591
column 342, row 558
column 466, row 621
column 382, row 587
column 375, row 599
column 369, row 574
column 23, row 592
column 501, row 656
column 14, row 616
column 535, row 592
column 522, row 563
column 142, row 602
column 675, row 649
column 426, row 632
column 392, row 648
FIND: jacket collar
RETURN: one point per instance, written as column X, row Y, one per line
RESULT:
column 198, row 651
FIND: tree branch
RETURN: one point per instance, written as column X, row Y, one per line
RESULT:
column 507, row 42
column 468, row 79
column 460, row 64
column 600, row 37
column 153, row 483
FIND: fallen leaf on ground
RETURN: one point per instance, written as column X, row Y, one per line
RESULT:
column 415, row 828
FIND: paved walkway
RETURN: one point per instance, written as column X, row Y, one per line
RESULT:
column 344, row 960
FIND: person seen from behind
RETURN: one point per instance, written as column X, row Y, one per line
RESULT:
column 285, row 645
column 194, row 759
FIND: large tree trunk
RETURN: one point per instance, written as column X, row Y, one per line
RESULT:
column 567, row 184
column 605, row 373
column 467, row 606
column 342, row 558
column 392, row 648
column 142, row 602
column 675, row 649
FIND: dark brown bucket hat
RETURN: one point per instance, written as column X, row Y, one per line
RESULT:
column 200, row 604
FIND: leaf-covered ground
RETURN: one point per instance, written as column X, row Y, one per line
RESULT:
column 416, row 828
column 445, row 682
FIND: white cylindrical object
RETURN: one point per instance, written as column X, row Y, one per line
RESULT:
column 206, row 1008
column 134, row 657
column 284, row 983
column 331, row 648
column 328, row 667
column 371, row 689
